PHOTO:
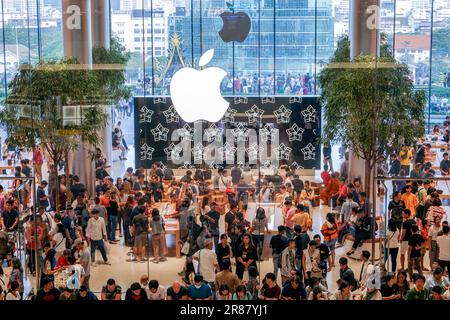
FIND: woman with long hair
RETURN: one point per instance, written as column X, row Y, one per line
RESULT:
column 344, row 292
column 259, row 229
column 433, row 231
column 49, row 265
column 126, row 219
column 329, row 231
column 402, row 282
column 16, row 275
column 246, row 256
column 59, row 241
column 393, row 244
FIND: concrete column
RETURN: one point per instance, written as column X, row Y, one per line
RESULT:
column 77, row 30
column 92, row 30
column 101, row 33
column 101, row 36
column 364, row 39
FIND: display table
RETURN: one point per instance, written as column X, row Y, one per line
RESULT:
column 273, row 213
column 172, row 226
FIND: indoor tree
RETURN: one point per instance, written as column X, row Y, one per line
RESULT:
column 60, row 104
column 370, row 104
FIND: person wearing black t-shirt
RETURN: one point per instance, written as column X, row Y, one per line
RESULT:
column 405, row 235
column 415, row 244
column 47, row 292
column 213, row 218
column 135, row 293
column 10, row 217
column 246, row 256
column 77, row 187
column 278, row 243
column 325, row 256
column 389, row 288
column 157, row 188
column 41, row 196
column 395, row 209
column 223, row 250
column 294, row 290
column 230, row 216
column 113, row 213
column 177, row 292
column 270, row 289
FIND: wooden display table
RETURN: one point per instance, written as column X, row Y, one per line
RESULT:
column 172, row 226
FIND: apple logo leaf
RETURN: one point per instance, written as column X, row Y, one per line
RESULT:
column 206, row 58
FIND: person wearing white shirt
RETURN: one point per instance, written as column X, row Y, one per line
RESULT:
column 393, row 244
column 13, row 293
column 366, row 268
column 207, row 263
column 224, row 179
column 443, row 243
column 433, row 232
column 96, row 233
column 155, row 291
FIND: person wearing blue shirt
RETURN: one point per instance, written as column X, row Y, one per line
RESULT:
column 84, row 294
column 199, row 290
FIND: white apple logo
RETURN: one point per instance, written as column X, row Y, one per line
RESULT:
column 196, row 94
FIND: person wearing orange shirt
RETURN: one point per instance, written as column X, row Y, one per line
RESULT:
column 325, row 176
column 302, row 218
column 410, row 200
column 331, row 192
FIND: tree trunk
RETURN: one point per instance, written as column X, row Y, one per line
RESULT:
column 367, row 180
column 67, row 172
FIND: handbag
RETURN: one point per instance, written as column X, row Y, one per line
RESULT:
column 61, row 279
column 316, row 272
column 186, row 247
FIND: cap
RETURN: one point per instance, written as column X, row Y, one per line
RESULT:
column 77, row 242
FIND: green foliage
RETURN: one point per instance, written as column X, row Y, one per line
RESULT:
column 112, row 81
column 39, row 97
column 370, row 106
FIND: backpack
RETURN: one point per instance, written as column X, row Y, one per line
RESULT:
column 396, row 212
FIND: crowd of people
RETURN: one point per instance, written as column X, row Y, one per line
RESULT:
column 70, row 225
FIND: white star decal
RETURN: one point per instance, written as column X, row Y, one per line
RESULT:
column 187, row 133
column 283, row 152
column 253, row 151
column 269, row 165
column 240, row 132
column 283, row 114
column 198, row 152
column 254, row 114
column 146, row 152
column 238, row 100
column 171, row 115
column 295, row 166
column 267, row 131
column 159, row 100
column 309, row 114
column 145, row 115
column 186, row 165
column 295, row 133
column 229, row 115
column 213, row 133
column 309, row 152
column 160, row 133
column 266, row 100
column 229, row 150
column 295, row 100
column 176, row 151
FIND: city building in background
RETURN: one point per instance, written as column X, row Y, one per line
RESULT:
column 289, row 42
